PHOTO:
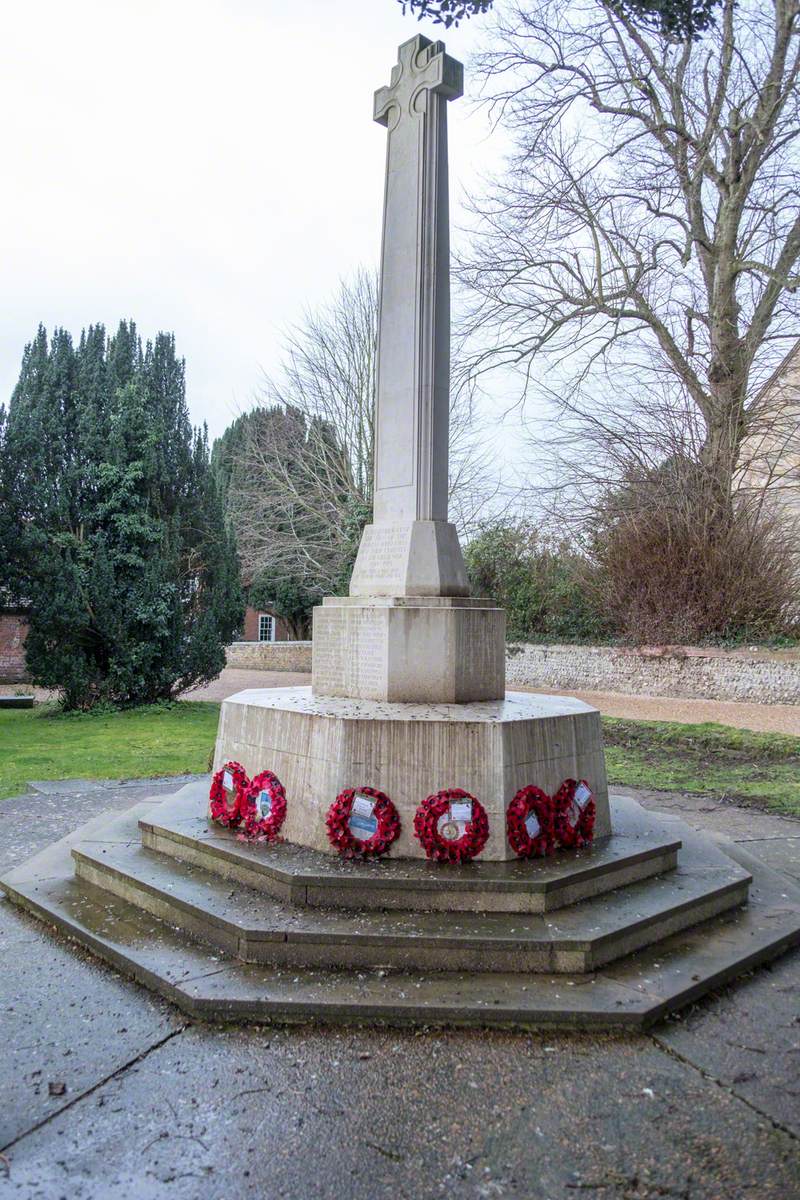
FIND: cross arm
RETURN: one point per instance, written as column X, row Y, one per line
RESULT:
column 423, row 65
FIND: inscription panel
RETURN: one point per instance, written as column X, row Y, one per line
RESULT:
column 327, row 652
column 383, row 554
column 350, row 652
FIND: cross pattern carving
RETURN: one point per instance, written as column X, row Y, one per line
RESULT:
column 423, row 67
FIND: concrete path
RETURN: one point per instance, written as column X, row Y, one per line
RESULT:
column 106, row 1091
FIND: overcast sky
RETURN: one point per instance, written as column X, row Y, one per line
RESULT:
column 208, row 168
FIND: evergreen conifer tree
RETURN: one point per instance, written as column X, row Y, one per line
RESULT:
column 112, row 531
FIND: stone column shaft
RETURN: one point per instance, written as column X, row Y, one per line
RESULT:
column 411, row 549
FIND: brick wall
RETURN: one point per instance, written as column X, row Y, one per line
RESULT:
column 12, row 639
column 250, row 630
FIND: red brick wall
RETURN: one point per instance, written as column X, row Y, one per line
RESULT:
column 250, row 630
column 12, row 639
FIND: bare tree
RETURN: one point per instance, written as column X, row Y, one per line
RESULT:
column 302, row 491
column 639, row 261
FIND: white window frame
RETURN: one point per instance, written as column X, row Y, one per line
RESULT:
column 262, row 618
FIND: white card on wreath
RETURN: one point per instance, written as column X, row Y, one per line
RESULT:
column 582, row 795
column 461, row 811
column 532, row 826
column 227, row 781
column 264, row 804
column 362, row 806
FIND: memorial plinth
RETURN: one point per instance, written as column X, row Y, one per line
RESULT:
column 319, row 745
column 435, row 649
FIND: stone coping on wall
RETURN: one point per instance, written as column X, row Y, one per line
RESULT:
column 754, row 675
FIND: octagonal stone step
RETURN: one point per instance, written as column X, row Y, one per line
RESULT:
column 207, row 985
column 246, row 923
column 640, row 848
column 632, row 993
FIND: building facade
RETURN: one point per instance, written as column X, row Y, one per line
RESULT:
column 261, row 625
column 13, row 630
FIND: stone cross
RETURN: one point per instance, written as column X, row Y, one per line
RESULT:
column 398, row 556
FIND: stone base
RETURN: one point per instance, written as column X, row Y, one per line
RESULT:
column 231, row 935
column 434, row 649
column 318, row 746
column 416, row 558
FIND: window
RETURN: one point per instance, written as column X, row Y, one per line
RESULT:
column 266, row 627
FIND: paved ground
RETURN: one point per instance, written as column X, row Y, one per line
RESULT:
column 767, row 718
column 705, row 1108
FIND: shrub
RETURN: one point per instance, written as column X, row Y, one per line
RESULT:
column 675, row 564
column 114, row 534
column 541, row 583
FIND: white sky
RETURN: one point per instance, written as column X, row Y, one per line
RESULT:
column 204, row 167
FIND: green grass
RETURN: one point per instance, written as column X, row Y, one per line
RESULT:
column 762, row 769
column 42, row 743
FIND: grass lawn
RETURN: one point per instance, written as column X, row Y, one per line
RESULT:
column 41, row 743
column 753, row 768
column 762, row 769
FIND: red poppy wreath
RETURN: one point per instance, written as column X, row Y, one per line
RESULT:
column 451, row 825
column 530, row 823
column 227, row 787
column 574, row 813
column 362, row 821
column 263, row 808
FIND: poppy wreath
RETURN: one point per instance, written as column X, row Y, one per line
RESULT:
column 338, row 824
column 529, row 800
column 426, row 827
column 572, row 831
column 219, row 809
column 254, row 827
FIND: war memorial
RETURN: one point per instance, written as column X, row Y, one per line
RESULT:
column 404, row 841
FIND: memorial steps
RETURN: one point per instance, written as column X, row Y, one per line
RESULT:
column 612, row 936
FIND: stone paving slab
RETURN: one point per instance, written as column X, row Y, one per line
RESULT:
column 782, row 854
column 749, row 1040
column 707, row 814
column 34, row 820
column 328, row 1115
column 65, row 1020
